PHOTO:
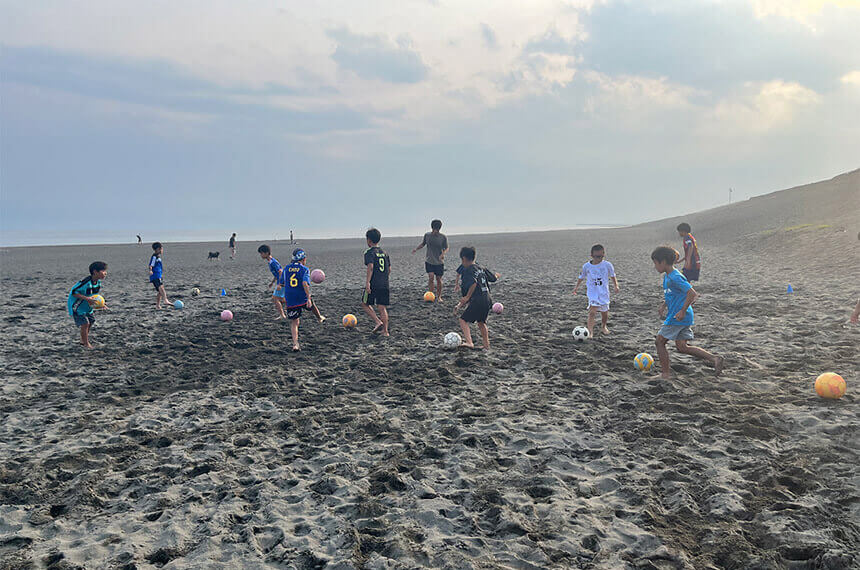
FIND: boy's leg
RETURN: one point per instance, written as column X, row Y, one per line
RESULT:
column 467, row 334
column 429, row 281
column 372, row 314
column 315, row 310
column 438, row 288
column 85, row 335
column 163, row 292
column 604, row 320
column 663, row 354
column 485, row 334
column 294, row 330
column 280, row 307
column 716, row 361
column 592, row 312
column 383, row 315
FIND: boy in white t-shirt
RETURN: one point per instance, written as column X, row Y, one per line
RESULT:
column 597, row 273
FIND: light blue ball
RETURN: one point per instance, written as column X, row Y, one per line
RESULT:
column 178, row 304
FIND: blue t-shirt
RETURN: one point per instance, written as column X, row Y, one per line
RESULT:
column 292, row 278
column 157, row 267
column 275, row 267
column 84, row 287
column 675, row 287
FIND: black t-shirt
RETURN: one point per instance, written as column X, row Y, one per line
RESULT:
column 232, row 242
column 476, row 274
column 381, row 267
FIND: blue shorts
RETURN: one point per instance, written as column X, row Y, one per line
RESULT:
column 279, row 292
column 676, row 332
column 81, row 320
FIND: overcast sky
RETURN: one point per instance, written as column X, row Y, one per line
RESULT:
column 194, row 119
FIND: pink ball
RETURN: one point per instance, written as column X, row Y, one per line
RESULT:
column 226, row 315
column 317, row 276
column 498, row 308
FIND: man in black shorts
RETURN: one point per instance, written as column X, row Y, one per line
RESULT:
column 232, row 246
column 475, row 288
column 378, row 266
column 437, row 247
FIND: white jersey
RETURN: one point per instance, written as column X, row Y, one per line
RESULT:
column 596, row 278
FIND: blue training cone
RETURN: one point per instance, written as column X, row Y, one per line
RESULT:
column 224, row 292
column 789, row 290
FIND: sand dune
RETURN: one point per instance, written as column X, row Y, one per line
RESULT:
column 185, row 442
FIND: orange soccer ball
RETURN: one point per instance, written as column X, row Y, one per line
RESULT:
column 830, row 385
column 429, row 296
column 349, row 321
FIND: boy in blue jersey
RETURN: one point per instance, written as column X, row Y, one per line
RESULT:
column 156, row 272
column 80, row 297
column 275, row 267
column 376, row 291
column 676, row 308
column 295, row 278
column 475, row 292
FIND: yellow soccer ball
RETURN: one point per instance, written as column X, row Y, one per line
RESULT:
column 429, row 296
column 643, row 361
column 98, row 302
column 830, row 385
column 349, row 321
column 195, row 291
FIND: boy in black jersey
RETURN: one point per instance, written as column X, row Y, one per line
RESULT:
column 475, row 289
column 378, row 267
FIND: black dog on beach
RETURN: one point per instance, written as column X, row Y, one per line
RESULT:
column 214, row 255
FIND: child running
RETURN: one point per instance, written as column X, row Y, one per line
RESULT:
column 295, row 278
column 278, row 295
column 597, row 273
column 678, row 296
column 81, row 301
column 475, row 292
column 156, row 272
column 376, row 291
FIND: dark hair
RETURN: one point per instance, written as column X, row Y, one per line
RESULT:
column 597, row 247
column 436, row 225
column 374, row 235
column 264, row 249
column 468, row 252
column 684, row 227
column 156, row 245
column 97, row 266
column 665, row 254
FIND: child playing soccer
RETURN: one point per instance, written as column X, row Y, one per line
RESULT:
column 81, row 296
column 692, row 260
column 275, row 267
column 434, row 264
column 676, row 308
column 295, row 278
column 597, row 273
column 156, row 271
column 475, row 292
column 376, row 292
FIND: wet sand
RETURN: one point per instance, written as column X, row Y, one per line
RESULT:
column 185, row 442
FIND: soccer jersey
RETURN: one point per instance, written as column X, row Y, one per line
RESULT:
column 436, row 244
column 157, row 267
column 691, row 245
column 84, row 287
column 675, row 287
column 275, row 267
column 596, row 277
column 472, row 275
column 292, row 279
column 381, row 267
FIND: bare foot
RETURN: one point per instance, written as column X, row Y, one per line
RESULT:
column 465, row 345
column 385, row 333
column 719, row 361
column 278, row 318
column 377, row 327
column 604, row 330
column 321, row 319
column 438, row 299
column 296, row 348
column 87, row 346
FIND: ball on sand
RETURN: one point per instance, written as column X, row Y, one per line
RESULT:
column 498, row 308
column 226, row 315
column 349, row 321
column 195, row 291
column 643, row 361
column 452, row 340
column 830, row 385
column 98, row 302
column 580, row 334
column 178, row 304
column 317, row 276
column 429, row 296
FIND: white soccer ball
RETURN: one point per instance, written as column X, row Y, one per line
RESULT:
column 580, row 334
column 452, row 340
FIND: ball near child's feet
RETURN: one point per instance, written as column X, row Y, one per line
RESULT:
column 195, row 291
column 580, row 334
column 498, row 308
column 429, row 296
column 317, row 276
column 452, row 340
column 830, row 385
column 98, row 302
column 179, row 304
column 643, row 361
column 349, row 321
column 226, row 315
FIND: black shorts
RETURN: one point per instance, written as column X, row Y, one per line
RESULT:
column 81, row 320
column 296, row 312
column 691, row 274
column 477, row 310
column 437, row 270
column 156, row 283
column 375, row 297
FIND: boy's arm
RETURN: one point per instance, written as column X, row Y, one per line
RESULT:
column 662, row 310
column 369, row 273
column 492, row 276
column 307, row 288
column 423, row 242
column 688, row 256
column 578, row 283
column 466, row 298
column 691, row 298
column 615, row 281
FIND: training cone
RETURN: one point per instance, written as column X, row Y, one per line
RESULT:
column 223, row 292
column 790, row 289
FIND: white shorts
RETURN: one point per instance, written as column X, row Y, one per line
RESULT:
column 600, row 308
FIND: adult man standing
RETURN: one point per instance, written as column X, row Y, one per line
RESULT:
column 434, row 264
column 233, row 245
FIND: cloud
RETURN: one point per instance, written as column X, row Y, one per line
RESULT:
column 851, row 78
column 374, row 57
column 489, row 36
column 802, row 11
column 762, row 106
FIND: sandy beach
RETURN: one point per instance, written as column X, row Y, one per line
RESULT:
column 185, row 442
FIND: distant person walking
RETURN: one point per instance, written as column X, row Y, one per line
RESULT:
column 139, row 241
column 233, row 245
column 291, row 238
column 692, row 260
column 434, row 263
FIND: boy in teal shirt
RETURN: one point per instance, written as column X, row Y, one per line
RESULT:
column 81, row 299
column 678, row 296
